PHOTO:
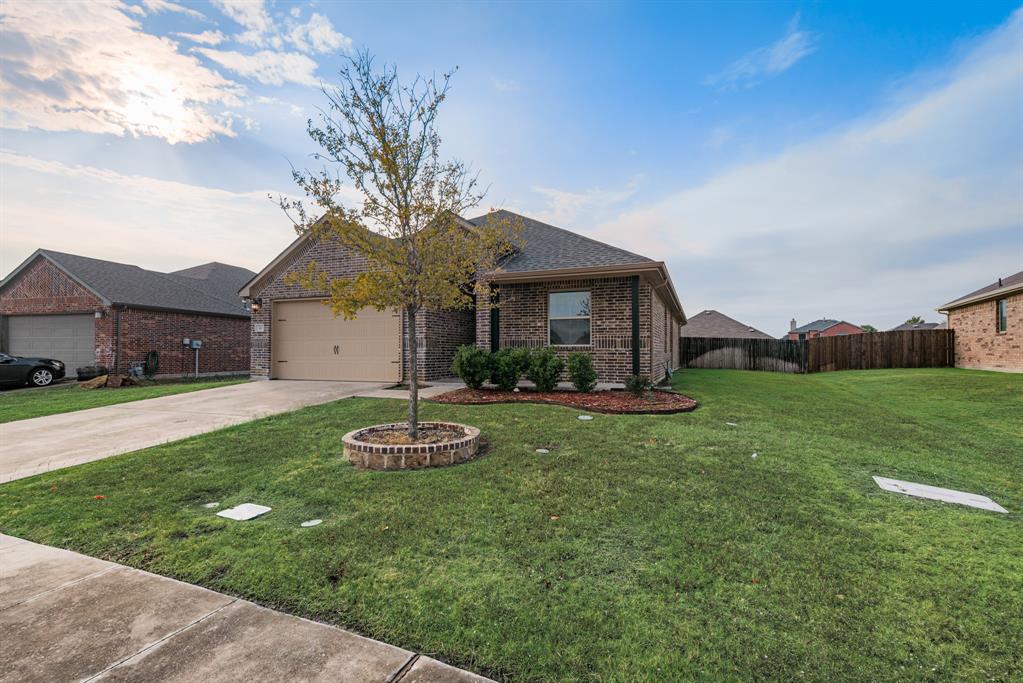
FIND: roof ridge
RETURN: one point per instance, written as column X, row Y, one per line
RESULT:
column 566, row 231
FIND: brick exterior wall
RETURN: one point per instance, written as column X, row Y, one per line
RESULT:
column 523, row 322
column 978, row 344
column 833, row 331
column 127, row 334
column 439, row 332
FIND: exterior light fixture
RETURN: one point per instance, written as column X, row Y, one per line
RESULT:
column 256, row 305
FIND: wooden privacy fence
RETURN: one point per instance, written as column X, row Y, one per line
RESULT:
column 909, row 349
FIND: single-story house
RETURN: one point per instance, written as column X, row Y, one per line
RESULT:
column 824, row 327
column 716, row 324
column 557, row 289
column 908, row 327
column 988, row 325
column 85, row 311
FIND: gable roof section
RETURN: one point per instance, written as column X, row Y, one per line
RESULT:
column 816, row 325
column 907, row 327
column 1006, row 285
column 219, row 280
column 122, row 284
column 715, row 324
column 546, row 247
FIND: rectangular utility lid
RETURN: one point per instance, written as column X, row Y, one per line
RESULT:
column 974, row 500
column 244, row 511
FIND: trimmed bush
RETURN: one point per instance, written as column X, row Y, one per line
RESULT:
column 505, row 369
column 638, row 384
column 472, row 365
column 581, row 371
column 523, row 357
column 544, row 369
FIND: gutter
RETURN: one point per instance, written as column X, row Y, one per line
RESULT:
column 977, row 298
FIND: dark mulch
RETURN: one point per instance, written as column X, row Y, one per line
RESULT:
column 616, row 401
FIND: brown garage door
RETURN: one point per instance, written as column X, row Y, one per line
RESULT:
column 308, row 342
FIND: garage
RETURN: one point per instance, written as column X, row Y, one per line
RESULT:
column 310, row 343
column 70, row 339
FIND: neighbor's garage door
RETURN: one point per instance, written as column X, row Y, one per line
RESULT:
column 68, row 338
column 310, row 343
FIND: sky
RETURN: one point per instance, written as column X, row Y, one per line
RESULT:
column 860, row 161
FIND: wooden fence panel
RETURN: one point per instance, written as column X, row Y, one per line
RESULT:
column 878, row 350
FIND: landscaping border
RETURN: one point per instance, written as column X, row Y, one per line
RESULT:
column 374, row 456
column 501, row 398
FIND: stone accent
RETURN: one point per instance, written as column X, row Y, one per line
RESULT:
column 523, row 322
column 370, row 456
column 439, row 332
column 124, row 335
column 979, row 345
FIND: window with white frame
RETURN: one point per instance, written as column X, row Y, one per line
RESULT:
column 568, row 318
column 1002, row 315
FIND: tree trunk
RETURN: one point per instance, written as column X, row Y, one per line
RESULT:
column 413, row 372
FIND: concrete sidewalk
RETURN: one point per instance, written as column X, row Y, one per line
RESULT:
column 68, row 617
column 42, row 444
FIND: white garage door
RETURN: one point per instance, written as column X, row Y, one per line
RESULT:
column 70, row 339
column 308, row 342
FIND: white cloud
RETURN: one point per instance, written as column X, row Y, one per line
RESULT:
column 566, row 208
column 318, row 35
column 204, row 38
column 266, row 66
column 899, row 212
column 157, row 6
column 768, row 61
column 506, row 85
column 135, row 219
column 90, row 67
column 251, row 14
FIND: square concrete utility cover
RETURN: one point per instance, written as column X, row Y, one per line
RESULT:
column 244, row 511
column 974, row 500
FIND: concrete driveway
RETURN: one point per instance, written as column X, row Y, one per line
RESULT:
column 68, row 617
column 42, row 444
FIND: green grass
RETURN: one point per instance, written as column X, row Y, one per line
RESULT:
column 676, row 555
column 21, row 404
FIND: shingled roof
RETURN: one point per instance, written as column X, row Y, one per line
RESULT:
column 818, row 325
column 546, row 247
column 907, row 327
column 1005, row 285
column 715, row 324
column 210, row 288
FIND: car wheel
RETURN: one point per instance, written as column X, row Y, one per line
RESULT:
column 41, row 377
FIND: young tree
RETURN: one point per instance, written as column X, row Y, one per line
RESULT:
column 381, row 135
column 868, row 328
column 915, row 320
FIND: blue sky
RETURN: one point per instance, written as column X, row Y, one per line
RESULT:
column 861, row 161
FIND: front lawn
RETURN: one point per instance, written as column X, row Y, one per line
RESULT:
column 640, row 548
column 21, row 404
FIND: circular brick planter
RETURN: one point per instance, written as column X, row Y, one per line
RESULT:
column 375, row 456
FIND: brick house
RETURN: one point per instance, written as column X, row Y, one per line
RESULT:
column 821, row 328
column 988, row 325
column 85, row 311
column 558, row 289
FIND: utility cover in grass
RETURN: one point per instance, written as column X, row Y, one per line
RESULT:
column 312, row 522
column 244, row 511
column 210, row 505
column 973, row 500
column 585, row 417
column 542, row 451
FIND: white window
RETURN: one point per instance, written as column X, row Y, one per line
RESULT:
column 568, row 316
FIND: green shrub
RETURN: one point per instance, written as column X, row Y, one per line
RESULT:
column 523, row 357
column 472, row 365
column 505, row 369
column 581, row 372
column 638, row 384
column 544, row 369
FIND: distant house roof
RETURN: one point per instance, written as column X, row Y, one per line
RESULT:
column 816, row 325
column 714, row 324
column 904, row 327
column 209, row 288
column 1005, row 285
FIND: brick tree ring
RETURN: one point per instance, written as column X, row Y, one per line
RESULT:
column 364, row 454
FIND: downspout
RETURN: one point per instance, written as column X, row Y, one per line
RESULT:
column 495, row 320
column 117, row 338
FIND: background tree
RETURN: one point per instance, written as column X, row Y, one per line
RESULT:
column 381, row 135
column 868, row 328
column 915, row 320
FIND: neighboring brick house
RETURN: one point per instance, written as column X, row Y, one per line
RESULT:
column 558, row 289
column 988, row 326
column 821, row 328
column 85, row 311
column 718, row 325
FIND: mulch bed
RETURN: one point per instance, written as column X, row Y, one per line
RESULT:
column 399, row 437
column 615, row 401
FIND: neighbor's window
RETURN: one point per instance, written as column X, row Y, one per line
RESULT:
column 569, row 318
column 1002, row 315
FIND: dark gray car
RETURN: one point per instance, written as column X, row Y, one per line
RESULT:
column 17, row 371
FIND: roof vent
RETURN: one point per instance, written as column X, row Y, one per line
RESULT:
column 999, row 282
